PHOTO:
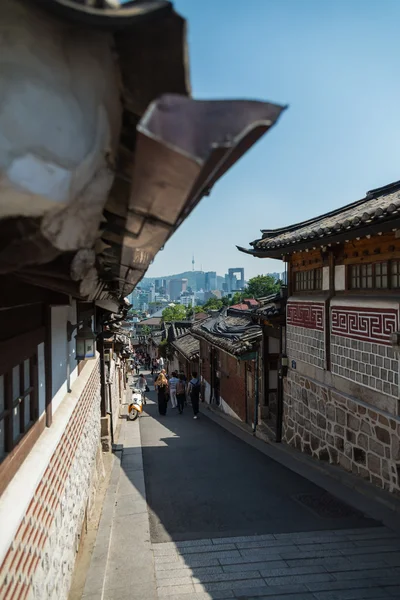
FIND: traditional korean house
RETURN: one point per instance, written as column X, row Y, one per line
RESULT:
column 270, row 315
column 104, row 154
column 342, row 339
column 229, row 360
column 187, row 350
column 176, row 331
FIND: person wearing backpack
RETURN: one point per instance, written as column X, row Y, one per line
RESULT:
column 194, row 392
column 181, row 393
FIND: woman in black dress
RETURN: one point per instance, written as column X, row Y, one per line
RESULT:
column 162, row 391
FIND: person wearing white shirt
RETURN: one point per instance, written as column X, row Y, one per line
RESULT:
column 172, row 390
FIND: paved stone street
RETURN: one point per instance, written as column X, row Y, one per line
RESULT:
column 223, row 520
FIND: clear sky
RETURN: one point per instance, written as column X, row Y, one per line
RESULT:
column 336, row 64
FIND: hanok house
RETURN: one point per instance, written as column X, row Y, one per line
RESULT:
column 229, row 347
column 95, row 178
column 341, row 393
column 183, row 348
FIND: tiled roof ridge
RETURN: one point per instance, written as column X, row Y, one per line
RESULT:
column 370, row 195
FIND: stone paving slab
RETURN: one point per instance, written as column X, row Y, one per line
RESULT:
column 323, row 572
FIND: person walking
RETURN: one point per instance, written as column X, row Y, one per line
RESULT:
column 141, row 384
column 173, row 381
column 181, row 393
column 162, row 393
column 194, row 392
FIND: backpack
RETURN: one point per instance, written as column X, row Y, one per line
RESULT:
column 180, row 387
column 195, row 388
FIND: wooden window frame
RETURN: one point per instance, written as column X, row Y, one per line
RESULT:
column 313, row 284
column 14, row 353
column 372, row 264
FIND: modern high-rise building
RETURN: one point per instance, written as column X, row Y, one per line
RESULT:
column 157, row 284
column 220, row 282
column 210, row 281
column 200, row 280
column 176, row 287
column 233, row 282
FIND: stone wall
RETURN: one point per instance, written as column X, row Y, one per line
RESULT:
column 333, row 427
column 371, row 364
column 40, row 562
column 307, row 345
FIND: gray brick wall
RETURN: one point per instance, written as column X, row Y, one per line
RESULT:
column 372, row 365
column 306, row 345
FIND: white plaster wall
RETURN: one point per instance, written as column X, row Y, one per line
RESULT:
column 340, row 277
column 59, row 318
column 60, row 113
column 325, row 278
column 62, row 352
column 207, row 391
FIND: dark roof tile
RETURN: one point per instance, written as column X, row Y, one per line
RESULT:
column 382, row 204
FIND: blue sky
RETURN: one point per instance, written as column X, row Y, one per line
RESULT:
column 336, row 64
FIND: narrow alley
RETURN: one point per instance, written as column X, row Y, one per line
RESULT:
column 193, row 512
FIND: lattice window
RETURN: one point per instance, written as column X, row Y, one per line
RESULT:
column 379, row 275
column 310, row 280
column 395, row 273
column 18, row 403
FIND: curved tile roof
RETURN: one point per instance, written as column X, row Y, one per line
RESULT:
column 380, row 205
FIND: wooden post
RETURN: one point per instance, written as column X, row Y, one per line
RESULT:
column 48, row 366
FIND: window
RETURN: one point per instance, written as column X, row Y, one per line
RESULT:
column 310, row 280
column 18, row 403
column 380, row 275
column 395, row 273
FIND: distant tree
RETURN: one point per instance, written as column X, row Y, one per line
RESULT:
column 261, row 285
column 193, row 310
column 166, row 350
column 213, row 304
column 174, row 313
column 146, row 330
column 197, row 309
column 238, row 297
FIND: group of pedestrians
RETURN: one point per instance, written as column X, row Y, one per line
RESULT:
column 176, row 389
column 142, row 360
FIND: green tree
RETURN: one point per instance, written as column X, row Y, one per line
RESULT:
column 166, row 350
column 238, row 297
column 174, row 313
column 146, row 330
column 261, row 285
column 213, row 304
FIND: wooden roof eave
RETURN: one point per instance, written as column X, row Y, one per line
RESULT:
column 381, row 226
column 189, row 145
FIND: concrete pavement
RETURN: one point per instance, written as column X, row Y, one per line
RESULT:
column 195, row 513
